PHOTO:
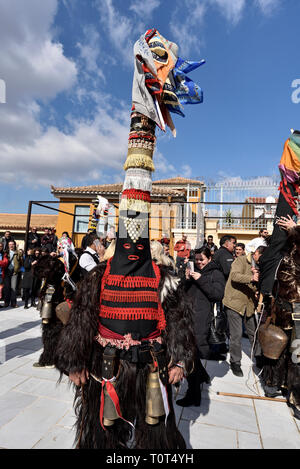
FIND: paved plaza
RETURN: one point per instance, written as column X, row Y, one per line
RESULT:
column 35, row 412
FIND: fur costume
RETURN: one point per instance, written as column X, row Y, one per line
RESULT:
column 82, row 329
column 50, row 270
column 284, row 372
column 130, row 325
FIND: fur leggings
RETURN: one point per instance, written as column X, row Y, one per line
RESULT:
column 131, row 390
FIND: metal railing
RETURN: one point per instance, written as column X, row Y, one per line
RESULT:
column 240, row 223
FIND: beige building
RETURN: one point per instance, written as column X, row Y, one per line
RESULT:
column 170, row 213
column 16, row 224
column 257, row 213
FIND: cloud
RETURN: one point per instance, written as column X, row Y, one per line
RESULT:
column 144, row 9
column 90, row 52
column 231, row 9
column 124, row 30
column 267, row 6
column 55, row 157
column 186, row 171
column 187, row 29
column 119, row 27
column 35, row 68
column 163, row 167
column 31, row 63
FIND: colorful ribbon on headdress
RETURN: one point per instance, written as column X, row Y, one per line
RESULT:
column 289, row 165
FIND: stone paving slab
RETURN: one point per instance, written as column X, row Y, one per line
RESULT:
column 46, row 388
column 202, row 436
column 36, row 420
column 277, row 426
column 223, row 414
column 68, row 420
column 11, row 405
column 10, row 381
column 248, row 440
column 56, row 438
column 36, row 413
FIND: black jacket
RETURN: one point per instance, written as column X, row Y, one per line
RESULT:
column 31, row 237
column 224, row 259
column 204, row 293
column 28, row 274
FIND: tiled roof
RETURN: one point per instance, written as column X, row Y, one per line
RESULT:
column 178, row 180
column 17, row 221
column 111, row 189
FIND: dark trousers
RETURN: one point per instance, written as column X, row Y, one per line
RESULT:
column 235, row 323
column 10, row 288
column 198, row 376
column 28, row 293
column 180, row 265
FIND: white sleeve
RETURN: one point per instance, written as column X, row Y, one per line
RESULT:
column 87, row 262
column 250, row 247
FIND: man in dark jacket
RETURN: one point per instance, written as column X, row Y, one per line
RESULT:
column 210, row 244
column 47, row 240
column 224, row 256
column 34, row 239
column 3, row 266
column 6, row 239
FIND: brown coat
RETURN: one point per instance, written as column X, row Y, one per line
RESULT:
column 240, row 291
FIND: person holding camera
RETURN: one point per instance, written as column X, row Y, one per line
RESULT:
column 239, row 301
column 204, row 285
column 183, row 249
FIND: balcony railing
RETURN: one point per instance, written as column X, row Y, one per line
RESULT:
column 186, row 224
column 243, row 223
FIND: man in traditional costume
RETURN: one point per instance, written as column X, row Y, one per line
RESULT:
column 130, row 333
column 59, row 276
column 280, row 269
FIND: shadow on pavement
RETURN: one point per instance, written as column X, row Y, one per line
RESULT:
column 30, row 346
column 19, row 329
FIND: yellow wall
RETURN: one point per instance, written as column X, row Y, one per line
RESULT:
column 243, row 236
column 66, row 222
column 162, row 219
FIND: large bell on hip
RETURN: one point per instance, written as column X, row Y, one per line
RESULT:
column 46, row 312
column 154, row 401
column 109, row 411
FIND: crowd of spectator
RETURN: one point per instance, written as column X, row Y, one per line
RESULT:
column 221, row 281
column 17, row 274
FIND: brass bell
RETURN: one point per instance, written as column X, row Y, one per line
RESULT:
column 109, row 411
column 154, row 401
column 46, row 312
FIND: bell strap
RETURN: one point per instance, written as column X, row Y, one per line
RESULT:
column 114, row 397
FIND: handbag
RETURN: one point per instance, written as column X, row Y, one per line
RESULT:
column 221, row 321
column 215, row 337
column 273, row 340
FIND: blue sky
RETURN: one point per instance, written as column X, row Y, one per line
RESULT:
column 68, row 68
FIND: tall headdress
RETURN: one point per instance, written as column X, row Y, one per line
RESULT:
column 160, row 86
column 289, row 191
